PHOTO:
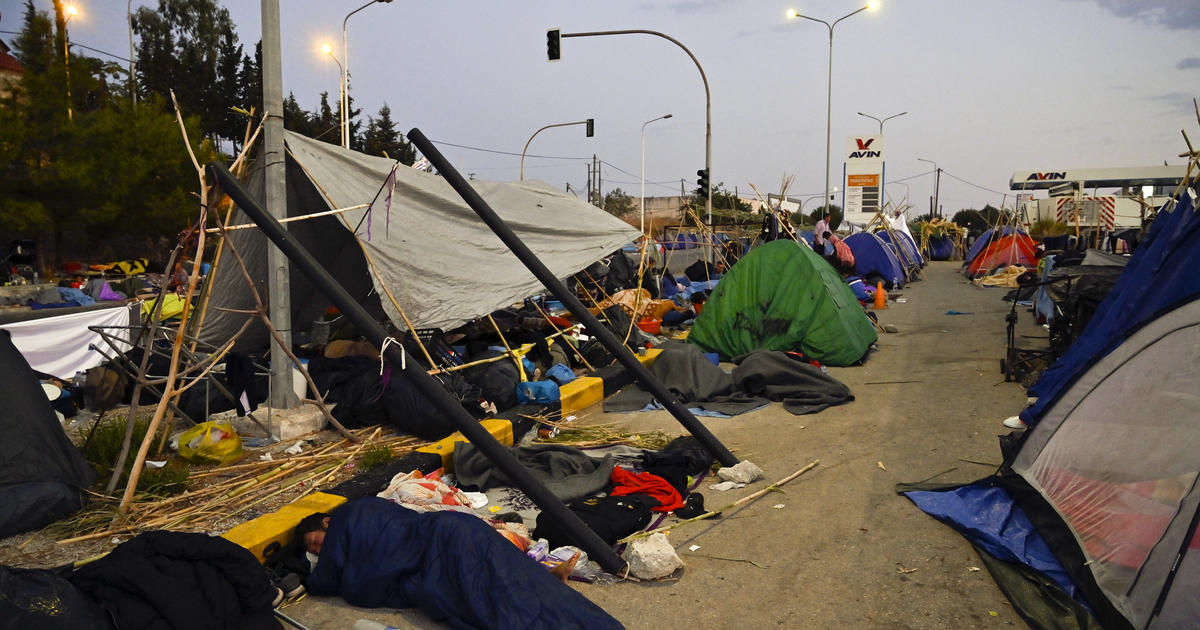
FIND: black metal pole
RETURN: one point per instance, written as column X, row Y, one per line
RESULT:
column 411, row 369
column 606, row 336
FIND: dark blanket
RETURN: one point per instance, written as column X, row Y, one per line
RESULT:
column 42, row 599
column 566, row 471
column 801, row 387
column 180, row 581
column 453, row 566
column 694, row 381
column 759, row 377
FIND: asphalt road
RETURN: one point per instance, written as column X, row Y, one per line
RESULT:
column 838, row 548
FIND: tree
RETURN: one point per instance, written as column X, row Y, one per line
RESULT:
column 382, row 138
column 726, row 206
column 977, row 221
column 835, row 216
column 109, row 171
column 619, row 204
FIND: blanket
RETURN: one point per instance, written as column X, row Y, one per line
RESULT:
column 451, row 565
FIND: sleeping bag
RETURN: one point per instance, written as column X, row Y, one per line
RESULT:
column 453, row 566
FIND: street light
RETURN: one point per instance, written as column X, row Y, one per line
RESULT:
column 643, row 195
column 591, row 127
column 132, row 76
column 881, row 120
column 829, row 97
column 328, row 50
column 937, row 185
column 71, row 12
column 346, row 75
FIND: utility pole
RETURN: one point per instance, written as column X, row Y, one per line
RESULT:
column 278, row 280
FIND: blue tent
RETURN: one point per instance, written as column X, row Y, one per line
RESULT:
column 906, row 251
column 874, row 257
column 939, row 248
column 1102, row 487
column 811, row 239
column 986, row 238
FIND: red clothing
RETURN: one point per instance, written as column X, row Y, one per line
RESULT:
column 649, row 484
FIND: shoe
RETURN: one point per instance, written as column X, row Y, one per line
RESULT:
column 278, row 598
column 290, row 585
column 1015, row 422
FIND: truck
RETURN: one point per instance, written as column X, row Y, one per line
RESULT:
column 1105, row 198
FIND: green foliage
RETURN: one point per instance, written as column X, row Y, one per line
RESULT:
column 382, row 138
column 619, row 204
column 375, row 456
column 977, row 221
column 105, row 444
column 727, row 208
column 810, row 219
column 1048, row 227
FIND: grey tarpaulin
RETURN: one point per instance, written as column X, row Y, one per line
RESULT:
column 442, row 264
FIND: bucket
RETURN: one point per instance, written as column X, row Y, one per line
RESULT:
column 650, row 326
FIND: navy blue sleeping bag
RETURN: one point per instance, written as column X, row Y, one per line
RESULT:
column 451, row 565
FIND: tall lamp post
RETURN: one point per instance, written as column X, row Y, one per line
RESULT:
column 829, row 95
column 591, row 131
column 328, row 50
column 937, row 185
column 643, row 195
column 881, row 120
column 132, row 76
column 346, row 75
column 70, row 12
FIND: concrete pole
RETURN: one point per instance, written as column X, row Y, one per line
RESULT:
column 278, row 279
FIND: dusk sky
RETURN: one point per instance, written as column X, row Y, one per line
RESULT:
column 990, row 87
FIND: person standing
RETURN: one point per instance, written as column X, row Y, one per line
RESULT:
column 820, row 233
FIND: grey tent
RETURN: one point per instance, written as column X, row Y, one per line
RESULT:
column 429, row 253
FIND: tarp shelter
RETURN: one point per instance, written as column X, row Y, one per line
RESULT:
column 429, row 252
column 783, row 296
column 873, row 257
column 1107, row 475
column 906, row 248
column 42, row 475
column 1015, row 249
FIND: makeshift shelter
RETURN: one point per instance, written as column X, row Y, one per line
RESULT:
column 42, row 475
column 906, row 248
column 874, row 258
column 783, row 296
column 1015, row 249
column 1105, row 481
column 440, row 263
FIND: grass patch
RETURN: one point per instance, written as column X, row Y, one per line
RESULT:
column 105, row 444
column 375, row 456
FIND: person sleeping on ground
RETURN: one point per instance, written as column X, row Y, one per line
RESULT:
column 451, row 565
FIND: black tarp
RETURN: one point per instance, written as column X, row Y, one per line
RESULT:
column 42, row 474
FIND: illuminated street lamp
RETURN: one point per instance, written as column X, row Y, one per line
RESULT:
column 829, row 97
column 328, row 50
column 643, row 195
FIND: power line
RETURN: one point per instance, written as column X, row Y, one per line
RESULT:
column 544, row 157
column 1003, row 194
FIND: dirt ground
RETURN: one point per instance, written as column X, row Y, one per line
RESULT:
column 838, row 548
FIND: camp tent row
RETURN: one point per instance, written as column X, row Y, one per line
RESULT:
column 427, row 253
column 1101, row 496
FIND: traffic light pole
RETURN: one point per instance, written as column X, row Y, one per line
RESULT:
column 553, row 54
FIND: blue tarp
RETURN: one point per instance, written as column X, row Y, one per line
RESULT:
column 986, row 515
column 873, row 256
column 939, row 248
column 453, row 566
column 1161, row 275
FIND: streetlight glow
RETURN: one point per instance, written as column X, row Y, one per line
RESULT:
column 326, row 48
column 71, row 11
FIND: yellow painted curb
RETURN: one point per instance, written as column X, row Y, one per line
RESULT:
column 257, row 534
column 580, row 394
column 500, row 429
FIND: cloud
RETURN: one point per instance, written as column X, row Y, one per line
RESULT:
column 1190, row 63
column 1176, row 102
column 1173, row 14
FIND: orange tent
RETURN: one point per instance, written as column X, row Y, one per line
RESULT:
column 1014, row 249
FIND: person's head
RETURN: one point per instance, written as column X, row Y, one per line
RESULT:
column 311, row 531
column 827, row 233
column 827, row 216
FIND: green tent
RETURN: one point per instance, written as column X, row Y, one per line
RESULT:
column 783, row 296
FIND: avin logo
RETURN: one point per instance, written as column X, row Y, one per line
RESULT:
column 864, row 149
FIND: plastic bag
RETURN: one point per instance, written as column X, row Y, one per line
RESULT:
column 210, row 442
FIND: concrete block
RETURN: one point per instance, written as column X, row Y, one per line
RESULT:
column 257, row 534
column 580, row 394
column 652, row 558
column 500, row 429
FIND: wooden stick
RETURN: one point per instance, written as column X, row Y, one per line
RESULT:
column 746, row 499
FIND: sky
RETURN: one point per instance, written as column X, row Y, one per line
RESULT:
column 989, row 87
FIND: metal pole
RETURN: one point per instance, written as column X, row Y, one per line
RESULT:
column 409, row 368
column 346, row 76
column 341, row 96
column 522, row 176
column 67, row 60
column 132, row 76
column 278, row 273
column 643, row 195
column 610, row 341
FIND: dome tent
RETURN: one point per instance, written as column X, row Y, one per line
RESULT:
column 783, row 296
column 873, row 257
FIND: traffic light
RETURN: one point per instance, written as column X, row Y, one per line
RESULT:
column 591, row 127
column 552, row 41
column 702, row 181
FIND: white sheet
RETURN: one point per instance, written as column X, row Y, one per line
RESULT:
column 59, row 345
